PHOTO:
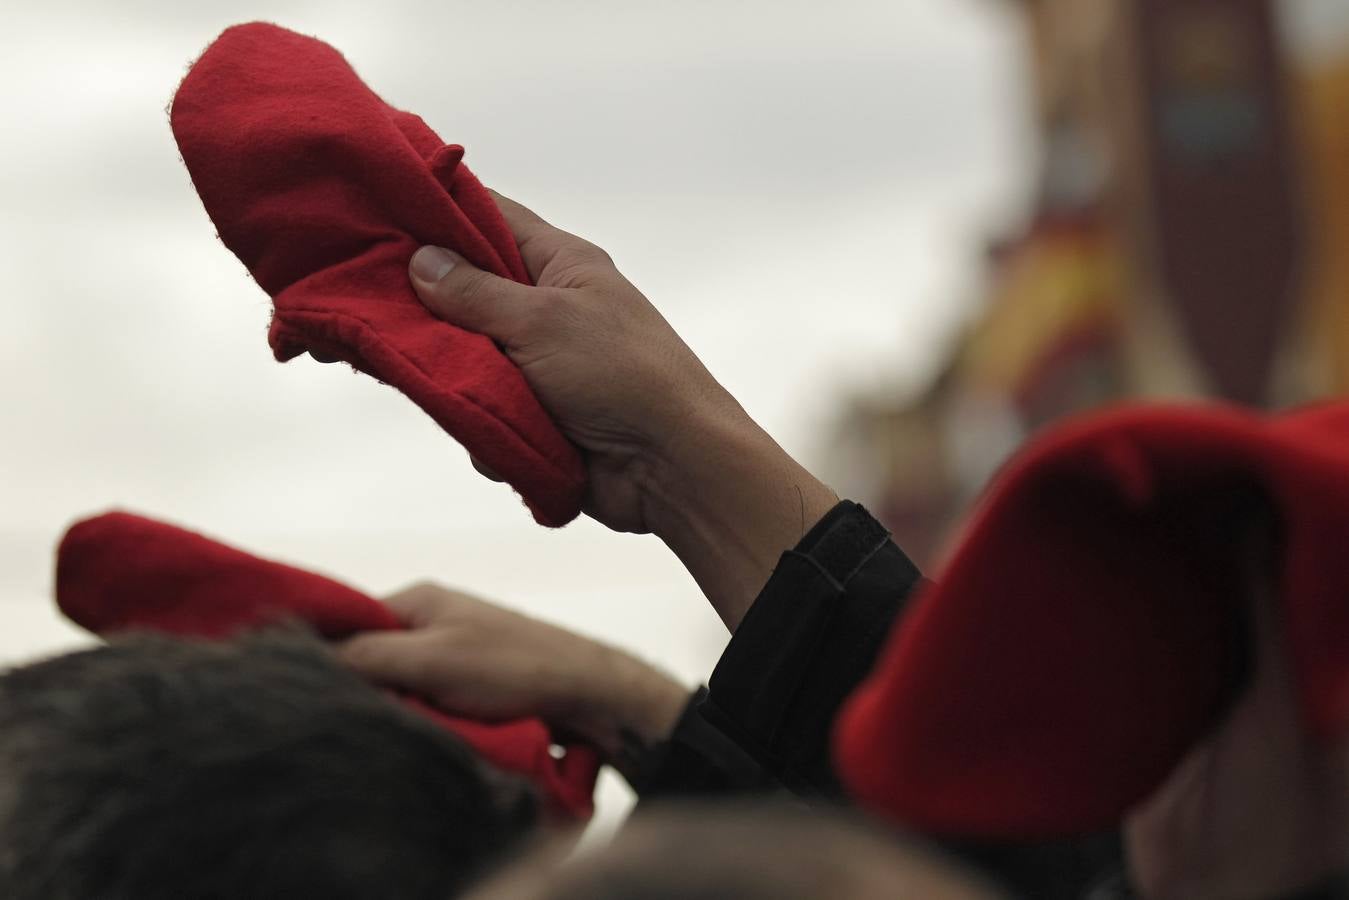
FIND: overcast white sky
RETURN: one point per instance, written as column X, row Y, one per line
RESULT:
column 802, row 188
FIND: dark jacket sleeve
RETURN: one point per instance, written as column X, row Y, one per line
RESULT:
column 812, row 634
column 763, row 723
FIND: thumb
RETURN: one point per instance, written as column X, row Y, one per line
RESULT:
column 401, row 659
column 464, row 295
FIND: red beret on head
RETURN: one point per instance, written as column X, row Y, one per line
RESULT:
column 324, row 192
column 1090, row 626
column 119, row 571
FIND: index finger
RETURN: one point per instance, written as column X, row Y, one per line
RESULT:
column 394, row 658
column 538, row 241
column 517, row 214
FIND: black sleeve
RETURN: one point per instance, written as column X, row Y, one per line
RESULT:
column 763, row 724
column 814, row 631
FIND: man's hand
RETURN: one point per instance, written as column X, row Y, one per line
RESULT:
column 607, row 366
column 667, row 449
column 475, row 659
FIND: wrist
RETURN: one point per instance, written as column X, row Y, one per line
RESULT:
column 728, row 501
column 625, row 700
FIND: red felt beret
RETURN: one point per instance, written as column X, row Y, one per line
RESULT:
column 324, row 192
column 1089, row 628
column 119, row 571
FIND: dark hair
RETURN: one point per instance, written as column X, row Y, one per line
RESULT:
column 256, row 768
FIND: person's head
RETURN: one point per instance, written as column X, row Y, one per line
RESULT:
column 260, row 767
column 759, row 851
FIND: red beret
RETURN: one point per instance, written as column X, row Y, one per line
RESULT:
column 324, row 192
column 1091, row 625
column 119, row 571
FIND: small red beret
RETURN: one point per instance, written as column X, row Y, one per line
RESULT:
column 324, row 192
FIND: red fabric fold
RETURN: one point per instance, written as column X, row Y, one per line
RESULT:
column 120, row 571
column 1084, row 634
column 324, row 192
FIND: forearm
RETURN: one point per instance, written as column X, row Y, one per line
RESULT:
column 809, row 639
column 727, row 500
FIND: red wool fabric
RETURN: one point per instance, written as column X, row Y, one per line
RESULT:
column 324, row 192
column 1085, row 632
column 120, row 571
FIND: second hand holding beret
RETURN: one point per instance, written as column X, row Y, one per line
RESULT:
column 117, row 572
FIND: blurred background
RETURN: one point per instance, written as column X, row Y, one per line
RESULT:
column 905, row 234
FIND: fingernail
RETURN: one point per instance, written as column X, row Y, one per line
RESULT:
column 433, row 263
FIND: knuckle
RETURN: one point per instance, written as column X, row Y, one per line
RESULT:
column 596, row 253
column 578, row 264
column 359, row 652
column 417, row 600
column 473, row 287
column 422, row 587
